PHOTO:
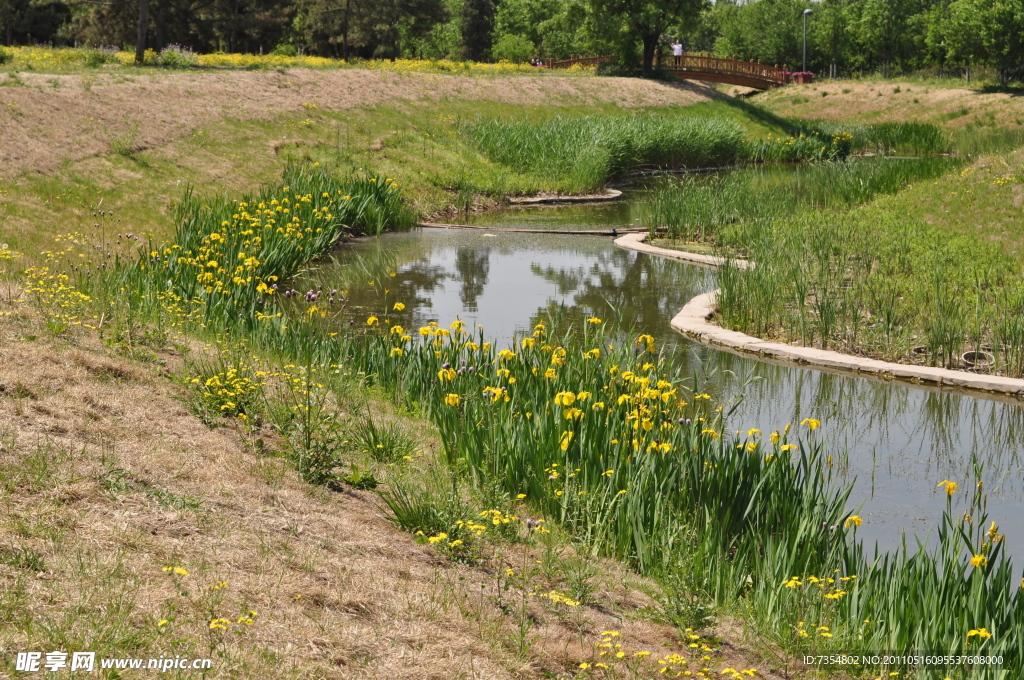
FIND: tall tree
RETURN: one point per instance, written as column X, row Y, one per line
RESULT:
column 770, row 31
column 964, row 33
column 344, row 28
column 648, row 20
column 830, row 31
column 477, row 29
column 885, row 31
column 7, row 17
column 140, row 40
column 26, row 22
column 1004, row 37
column 936, row 34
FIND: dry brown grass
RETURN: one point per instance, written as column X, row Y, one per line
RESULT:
column 44, row 125
column 106, row 478
column 889, row 101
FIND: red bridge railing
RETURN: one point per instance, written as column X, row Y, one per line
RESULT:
column 699, row 63
column 693, row 66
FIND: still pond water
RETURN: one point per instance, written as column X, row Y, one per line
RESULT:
column 894, row 441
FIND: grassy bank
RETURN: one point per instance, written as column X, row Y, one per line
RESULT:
column 428, row 146
column 598, row 436
column 143, row 520
column 262, row 440
column 294, row 391
column 601, row 437
column 944, row 103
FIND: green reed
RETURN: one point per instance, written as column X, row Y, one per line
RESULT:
column 698, row 207
column 588, row 151
column 886, row 138
column 878, row 282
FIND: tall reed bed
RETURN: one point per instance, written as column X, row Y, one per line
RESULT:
column 588, row 151
column 872, row 280
column 699, row 207
column 887, row 138
column 606, row 436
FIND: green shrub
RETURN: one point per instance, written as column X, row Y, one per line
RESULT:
column 6, row 56
column 176, row 56
column 285, row 50
column 95, row 58
column 514, row 48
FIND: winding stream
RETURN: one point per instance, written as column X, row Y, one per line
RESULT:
column 894, row 441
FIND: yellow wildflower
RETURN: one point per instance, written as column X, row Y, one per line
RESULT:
column 811, row 423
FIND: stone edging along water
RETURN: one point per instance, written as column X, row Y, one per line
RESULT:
column 608, row 195
column 692, row 321
column 563, row 232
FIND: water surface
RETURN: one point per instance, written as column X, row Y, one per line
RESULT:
column 894, row 441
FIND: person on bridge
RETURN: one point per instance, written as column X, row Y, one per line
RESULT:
column 677, row 50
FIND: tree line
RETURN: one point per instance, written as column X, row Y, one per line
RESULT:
column 845, row 37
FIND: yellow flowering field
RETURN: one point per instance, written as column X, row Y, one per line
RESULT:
column 66, row 58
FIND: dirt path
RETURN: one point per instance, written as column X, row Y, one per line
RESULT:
column 49, row 120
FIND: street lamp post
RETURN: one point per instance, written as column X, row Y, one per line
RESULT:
column 807, row 13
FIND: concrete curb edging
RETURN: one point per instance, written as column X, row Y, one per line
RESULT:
column 693, row 322
column 564, row 232
column 608, row 195
column 635, row 241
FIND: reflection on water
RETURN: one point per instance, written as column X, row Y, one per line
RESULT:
column 895, row 440
column 507, row 282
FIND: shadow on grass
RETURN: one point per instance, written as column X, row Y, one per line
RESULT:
column 1015, row 90
column 765, row 116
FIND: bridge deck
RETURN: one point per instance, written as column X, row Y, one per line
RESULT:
column 706, row 68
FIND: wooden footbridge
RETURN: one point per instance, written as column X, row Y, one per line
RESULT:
column 706, row 68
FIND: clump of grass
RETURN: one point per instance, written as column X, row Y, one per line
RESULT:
column 22, row 558
column 384, row 442
column 126, row 144
column 430, row 507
